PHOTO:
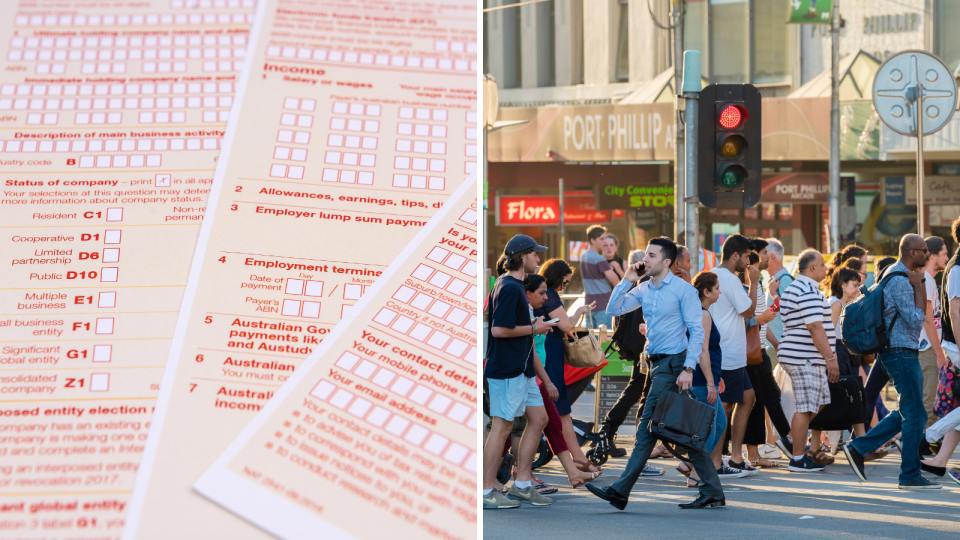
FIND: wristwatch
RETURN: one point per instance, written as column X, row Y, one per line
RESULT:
column 688, row 369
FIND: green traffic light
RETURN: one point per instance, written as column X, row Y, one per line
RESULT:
column 731, row 177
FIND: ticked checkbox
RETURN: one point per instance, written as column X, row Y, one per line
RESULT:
column 162, row 180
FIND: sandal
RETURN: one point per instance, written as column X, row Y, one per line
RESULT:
column 683, row 472
column 581, row 482
column 769, row 465
column 696, row 483
column 584, row 466
column 660, row 452
column 544, row 489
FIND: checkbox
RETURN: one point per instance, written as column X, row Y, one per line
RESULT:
column 416, row 435
column 438, row 254
column 404, row 294
column 420, row 332
column 402, row 324
column 457, row 286
column 439, row 279
column 456, row 453
column 360, row 407
column 111, row 237
column 365, row 369
column 109, row 274
column 311, row 310
column 314, row 288
column 102, row 353
column 439, row 404
column 111, row 255
column 104, row 326
column 114, row 214
column 99, row 382
column 341, row 399
column 294, row 286
column 384, row 377
column 322, row 390
column 439, row 309
column 459, row 412
column 397, row 425
column 352, row 291
column 420, row 395
column 402, row 386
column 347, row 361
column 385, row 317
column 345, row 311
column 378, row 416
column 455, row 261
column 436, row 444
column 438, row 340
column 457, row 316
column 291, row 308
column 107, row 300
column 456, row 348
column 421, row 301
column 422, row 272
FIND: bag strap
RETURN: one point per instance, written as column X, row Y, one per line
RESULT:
column 882, row 285
column 673, row 452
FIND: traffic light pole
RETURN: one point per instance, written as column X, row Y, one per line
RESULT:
column 834, row 194
column 680, row 191
column 691, row 93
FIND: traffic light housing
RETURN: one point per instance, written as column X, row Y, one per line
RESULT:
column 729, row 146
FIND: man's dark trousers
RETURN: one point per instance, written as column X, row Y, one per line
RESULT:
column 664, row 371
column 630, row 395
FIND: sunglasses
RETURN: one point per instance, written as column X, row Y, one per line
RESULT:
column 925, row 250
column 565, row 283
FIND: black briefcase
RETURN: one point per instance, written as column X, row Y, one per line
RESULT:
column 683, row 422
column 848, row 406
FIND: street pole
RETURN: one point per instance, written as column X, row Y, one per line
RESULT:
column 563, row 241
column 835, row 129
column 691, row 93
column 920, row 224
column 679, row 190
column 486, row 166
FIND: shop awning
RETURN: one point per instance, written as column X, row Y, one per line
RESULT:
column 657, row 90
column 857, row 72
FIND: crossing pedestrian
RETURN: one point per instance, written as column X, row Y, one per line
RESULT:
column 672, row 311
column 903, row 313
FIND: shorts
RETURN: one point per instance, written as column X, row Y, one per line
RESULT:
column 810, row 388
column 735, row 383
column 509, row 398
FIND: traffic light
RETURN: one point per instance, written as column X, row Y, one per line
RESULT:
column 729, row 146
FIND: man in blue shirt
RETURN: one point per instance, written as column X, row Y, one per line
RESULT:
column 672, row 311
column 904, row 301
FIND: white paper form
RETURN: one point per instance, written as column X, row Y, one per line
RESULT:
column 356, row 121
column 111, row 118
column 377, row 430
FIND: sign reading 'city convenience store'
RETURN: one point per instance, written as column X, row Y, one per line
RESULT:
column 617, row 197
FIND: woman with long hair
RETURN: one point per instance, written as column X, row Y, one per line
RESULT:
column 536, row 287
column 610, row 246
column 852, row 251
column 557, row 274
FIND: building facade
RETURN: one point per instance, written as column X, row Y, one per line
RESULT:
column 588, row 85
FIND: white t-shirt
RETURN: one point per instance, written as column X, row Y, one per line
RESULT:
column 834, row 300
column 953, row 291
column 726, row 315
column 934, row 297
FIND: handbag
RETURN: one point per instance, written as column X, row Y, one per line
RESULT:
column 948, row 390
column 682, row 421
column 848, row 406
column 754, row 356
column 582, row 350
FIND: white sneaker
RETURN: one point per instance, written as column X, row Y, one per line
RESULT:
column 770, row 451
column 650, row 470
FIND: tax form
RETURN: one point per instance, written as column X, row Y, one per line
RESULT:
column 355, row 123
column 111, row 120
column 377, row 429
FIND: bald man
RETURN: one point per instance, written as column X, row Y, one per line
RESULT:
column 904, row 303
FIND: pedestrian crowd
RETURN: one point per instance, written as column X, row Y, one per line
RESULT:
column 788, row 364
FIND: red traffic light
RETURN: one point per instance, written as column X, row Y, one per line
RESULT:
column 732, row 116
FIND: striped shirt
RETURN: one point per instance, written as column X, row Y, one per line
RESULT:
column 802, row 304
column 761, row 307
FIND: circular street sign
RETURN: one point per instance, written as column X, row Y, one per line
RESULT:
column 899, row 82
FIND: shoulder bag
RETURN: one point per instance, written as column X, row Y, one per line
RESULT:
column 582, row 350
column 682, row 421
column 754, row 356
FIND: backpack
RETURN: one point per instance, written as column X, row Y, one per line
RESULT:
column 627, row 337
column 861, row 322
